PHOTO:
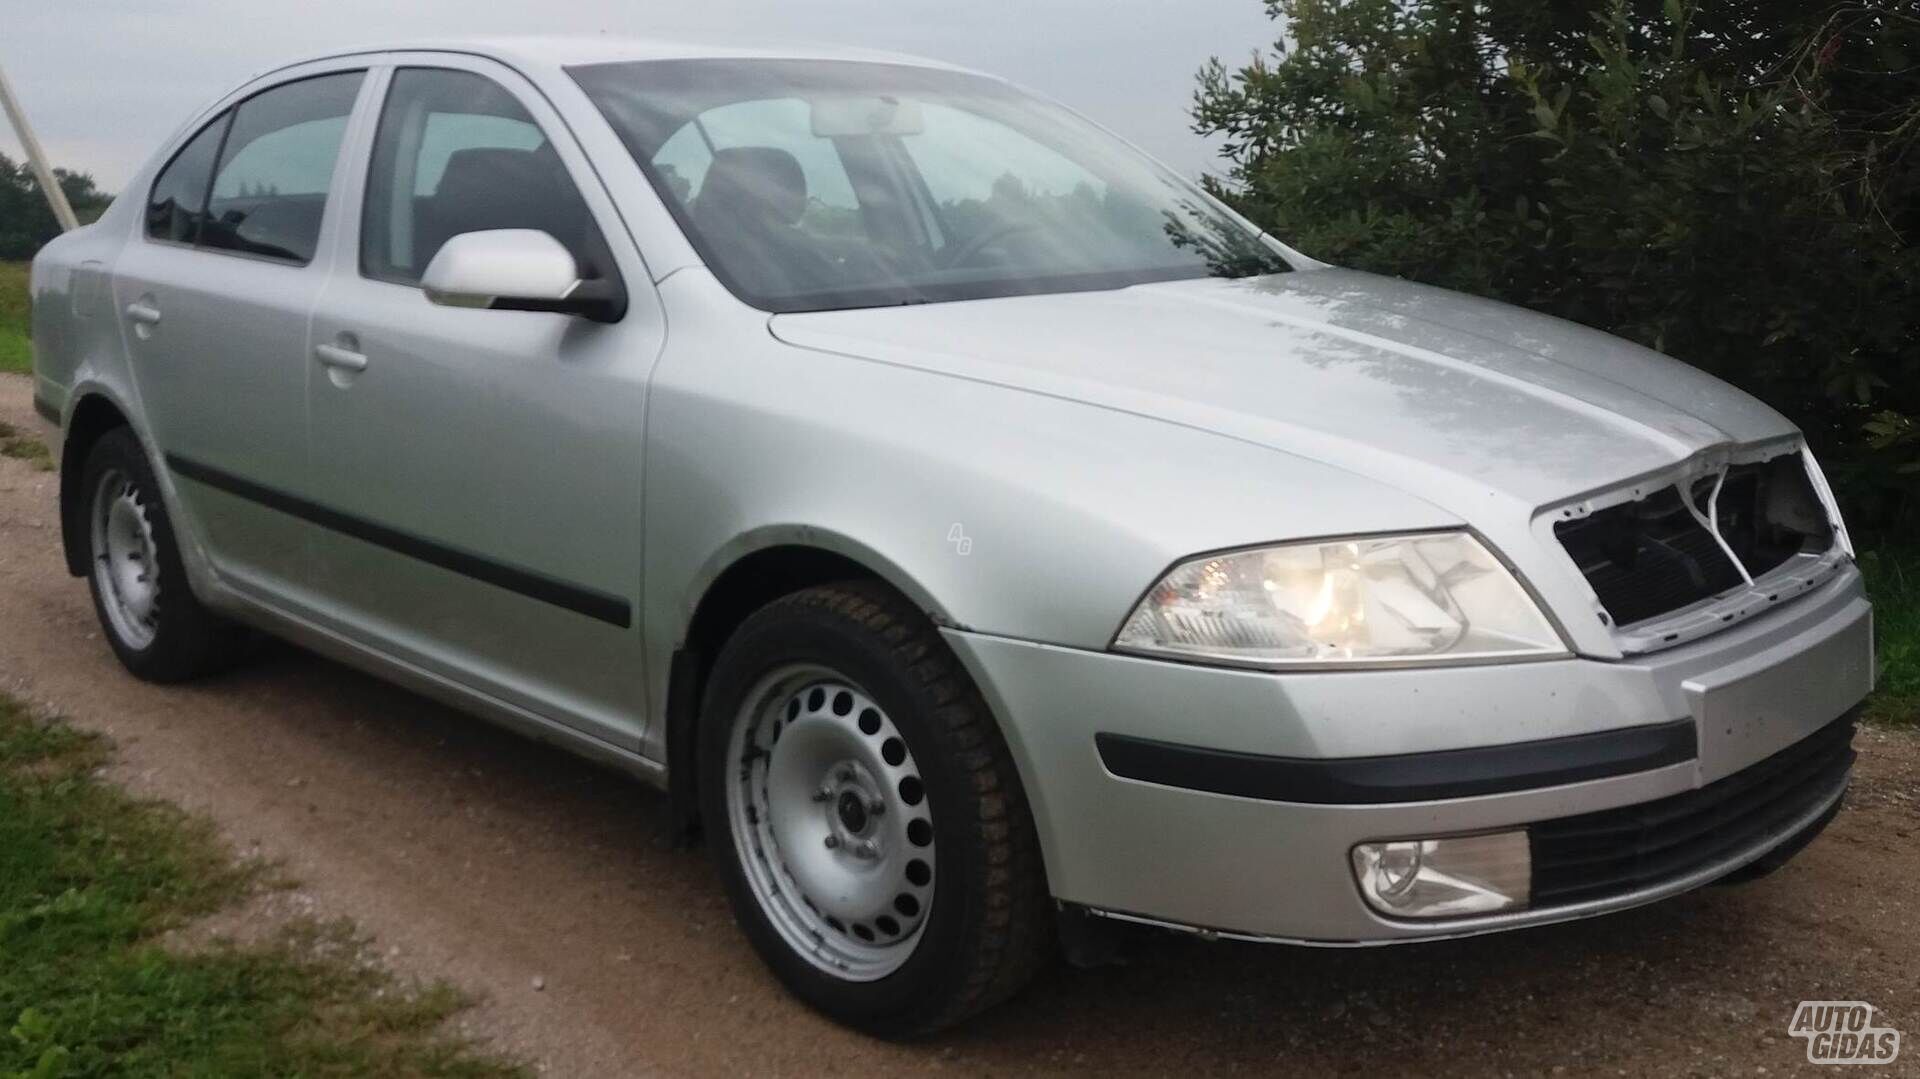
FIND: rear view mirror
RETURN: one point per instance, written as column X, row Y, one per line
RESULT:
column 516, row 270
column 851, row 116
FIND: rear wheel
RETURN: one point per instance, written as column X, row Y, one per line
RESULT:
column 158, row 629
column 866, row 816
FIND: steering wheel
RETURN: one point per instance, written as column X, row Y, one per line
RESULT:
column 979, row 243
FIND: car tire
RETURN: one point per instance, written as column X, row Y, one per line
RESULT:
column 866, row 817
column 158, row 628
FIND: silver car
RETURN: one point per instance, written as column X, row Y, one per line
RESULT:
column 981, row 532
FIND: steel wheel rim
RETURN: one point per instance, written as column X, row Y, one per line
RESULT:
column 126, row 566
column 831, row 822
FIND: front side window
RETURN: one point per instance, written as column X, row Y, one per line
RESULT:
column 457, row 153
column 270, row 188
column 178, row 200
column 812, row 185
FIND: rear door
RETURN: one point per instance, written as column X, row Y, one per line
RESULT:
column 484, row 467
column 215, row 296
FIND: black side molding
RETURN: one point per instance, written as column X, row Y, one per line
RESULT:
column 596, row 605
column 46, row 410
column 1408, row 777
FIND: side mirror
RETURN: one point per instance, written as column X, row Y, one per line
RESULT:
column 517, row 270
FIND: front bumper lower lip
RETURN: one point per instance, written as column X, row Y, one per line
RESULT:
column 1408, row 777
column 1795, row 832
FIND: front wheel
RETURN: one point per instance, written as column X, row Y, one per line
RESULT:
column 866, row 816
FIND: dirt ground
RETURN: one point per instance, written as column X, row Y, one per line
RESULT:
column 547, row 886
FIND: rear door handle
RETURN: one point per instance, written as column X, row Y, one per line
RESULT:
column 344, row 359
column 144, row 313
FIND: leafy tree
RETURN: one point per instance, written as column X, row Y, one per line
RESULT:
column 26, row 221
column 1734, row 183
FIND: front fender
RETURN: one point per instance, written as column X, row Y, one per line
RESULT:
column 998, row 510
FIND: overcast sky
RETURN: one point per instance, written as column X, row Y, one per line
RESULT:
column 105, row 81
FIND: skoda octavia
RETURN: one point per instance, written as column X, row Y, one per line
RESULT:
column 981, row 532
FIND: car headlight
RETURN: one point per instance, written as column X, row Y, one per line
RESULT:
column 1431, row 597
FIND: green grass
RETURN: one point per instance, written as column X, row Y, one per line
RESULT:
column 15, row 353
column 91, row 878
column 19, row 444
column 1893, row 580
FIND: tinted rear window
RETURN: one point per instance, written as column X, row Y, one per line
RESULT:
column 179, row 195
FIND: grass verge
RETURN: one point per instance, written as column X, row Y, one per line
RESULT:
column 24, row 446
column 90, row 879
column 1893, row 581
column 15, row 353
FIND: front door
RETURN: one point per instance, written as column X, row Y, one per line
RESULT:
column 484, row 467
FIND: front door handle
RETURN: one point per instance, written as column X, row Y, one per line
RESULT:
column 143, row 313
column 341, row 358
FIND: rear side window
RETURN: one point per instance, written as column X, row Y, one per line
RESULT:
column 179, row 196
column 270, row 188
column 457, row 153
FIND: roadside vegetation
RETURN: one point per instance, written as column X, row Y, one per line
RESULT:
column 27, row 448
column 1893, row 578
column 26, row 221
column 15, row 354
column 92, row 880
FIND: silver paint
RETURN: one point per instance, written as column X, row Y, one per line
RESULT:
column 478, row 269
column 1081, row 443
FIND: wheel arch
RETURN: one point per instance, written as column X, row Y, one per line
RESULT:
column 749, row 574
column 92, row 416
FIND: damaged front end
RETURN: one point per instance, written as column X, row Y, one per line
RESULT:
column 1726, row 537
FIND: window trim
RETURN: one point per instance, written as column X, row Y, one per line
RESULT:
column 227, row 111
column 610, row 273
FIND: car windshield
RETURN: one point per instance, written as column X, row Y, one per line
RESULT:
column 816, row 185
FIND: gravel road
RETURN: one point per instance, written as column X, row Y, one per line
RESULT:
column 548, row 887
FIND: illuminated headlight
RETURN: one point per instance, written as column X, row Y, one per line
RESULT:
column 1432, row 597
column 1445, row 878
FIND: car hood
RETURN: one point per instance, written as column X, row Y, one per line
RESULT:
column 1433, row 391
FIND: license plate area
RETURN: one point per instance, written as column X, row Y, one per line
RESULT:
column 1749, row 710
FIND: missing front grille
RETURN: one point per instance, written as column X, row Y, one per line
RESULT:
column 1650, row 557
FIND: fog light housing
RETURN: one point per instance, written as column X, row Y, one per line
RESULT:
column 1445, row 878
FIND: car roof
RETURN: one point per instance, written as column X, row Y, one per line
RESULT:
column 566, row 51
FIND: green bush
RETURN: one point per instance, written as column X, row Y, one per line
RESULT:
column 1736, row 184
column 26, row 221
column 16, row 350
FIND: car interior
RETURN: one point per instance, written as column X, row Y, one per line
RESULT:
column 751, row 201
column 490, row 187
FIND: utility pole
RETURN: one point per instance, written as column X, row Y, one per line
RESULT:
column 56, row 198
